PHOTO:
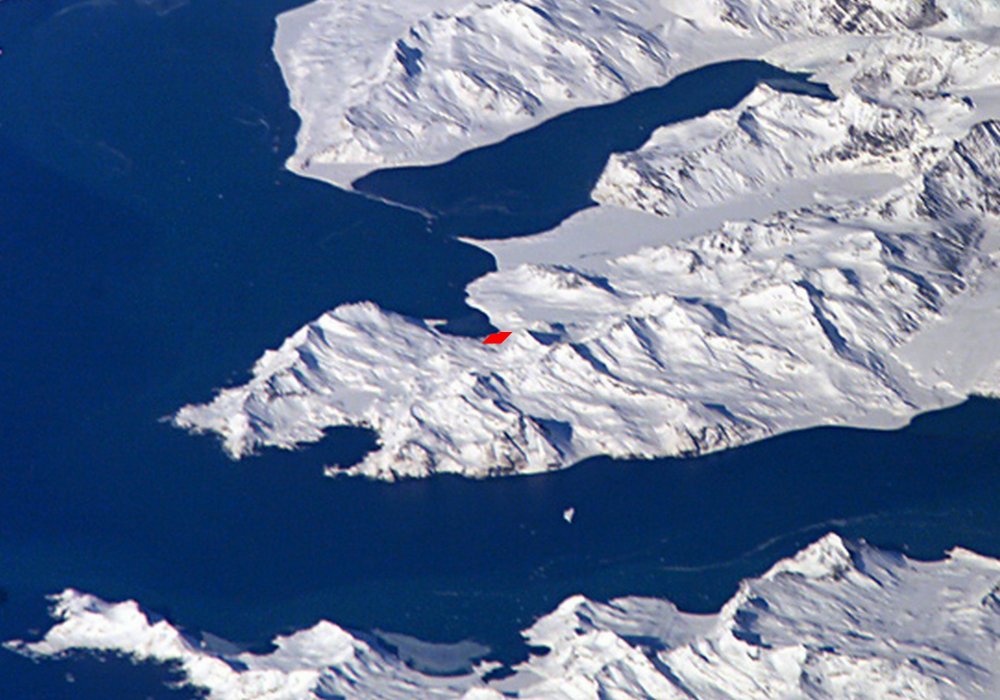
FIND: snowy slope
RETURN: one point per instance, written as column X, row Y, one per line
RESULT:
column 379, row 83
column 837, row 620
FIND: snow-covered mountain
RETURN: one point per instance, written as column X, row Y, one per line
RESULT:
column 692, row 343
column 837, row 620
column 379, row 83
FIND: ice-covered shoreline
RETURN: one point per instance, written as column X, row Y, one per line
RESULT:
column 838, row 619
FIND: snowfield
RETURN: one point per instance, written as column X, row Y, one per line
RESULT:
column 875, row 222
column 837, row 620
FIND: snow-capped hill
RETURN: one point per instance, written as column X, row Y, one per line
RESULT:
column 358, row 365
column 436, row 74
column 734, row 153
column 379, row 84
column 899, row 106
column 320, row 662
column 837, row 620
column 827, row 558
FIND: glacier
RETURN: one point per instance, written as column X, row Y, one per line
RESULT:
column 787, row 263
column 838, row 619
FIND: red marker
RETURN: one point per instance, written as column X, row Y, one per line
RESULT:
column 496, row 338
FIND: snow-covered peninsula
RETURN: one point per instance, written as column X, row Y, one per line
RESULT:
column 837, row 620
column 418, row 82
column 790, row 262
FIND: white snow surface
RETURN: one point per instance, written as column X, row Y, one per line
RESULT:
column 783, row 264
column 837, row 620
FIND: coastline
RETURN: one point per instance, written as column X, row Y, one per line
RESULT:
column 695, row 50
column 838, row 615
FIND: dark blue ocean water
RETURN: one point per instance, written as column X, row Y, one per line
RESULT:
column 151, row 246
